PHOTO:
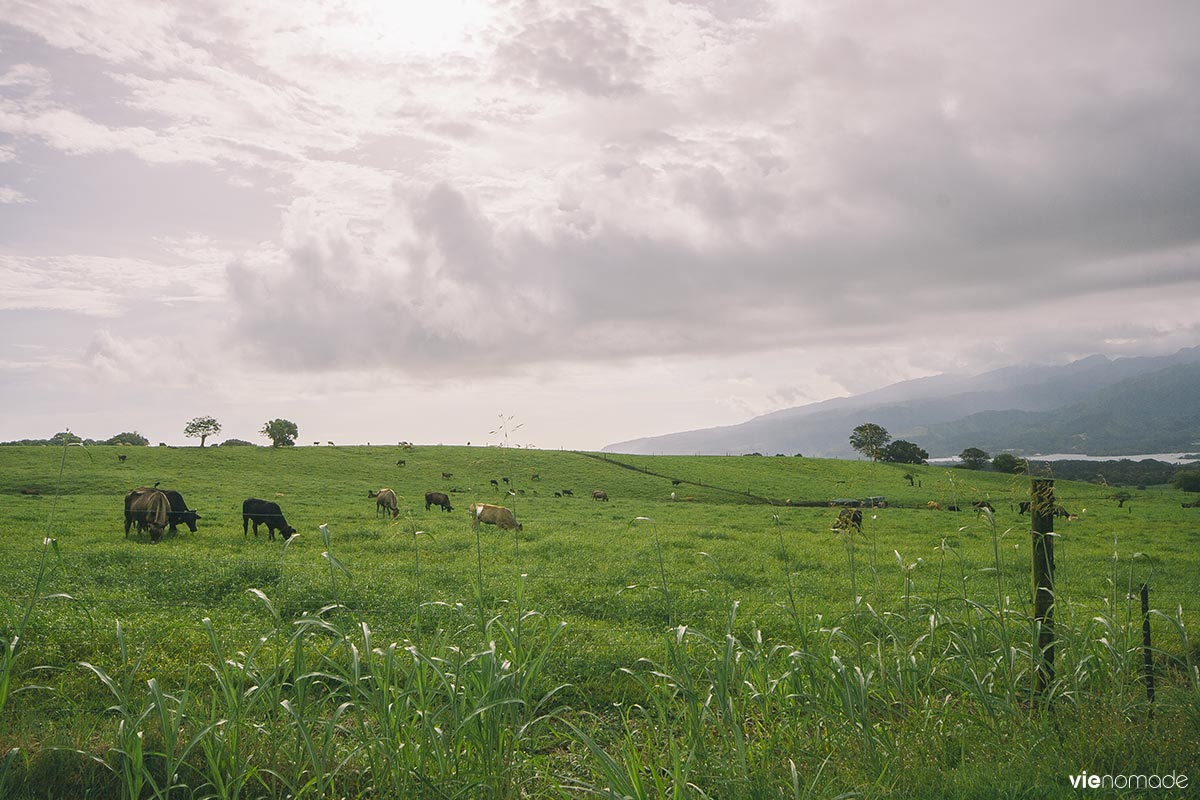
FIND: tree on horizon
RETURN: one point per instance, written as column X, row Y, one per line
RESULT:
column 202, row 427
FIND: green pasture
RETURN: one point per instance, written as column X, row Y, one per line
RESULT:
column 724, row 642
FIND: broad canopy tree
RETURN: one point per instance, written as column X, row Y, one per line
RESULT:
column 870, row 439
column 974, row 458
column 902, row 452
column 202, row 427
column 281, row 432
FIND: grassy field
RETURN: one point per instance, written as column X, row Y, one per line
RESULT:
column 710, row 645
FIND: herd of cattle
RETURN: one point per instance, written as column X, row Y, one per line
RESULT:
column 155, row 511
column 163, row 510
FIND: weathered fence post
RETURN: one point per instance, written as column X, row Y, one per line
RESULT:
column 1041, row 510
column 1147, row 654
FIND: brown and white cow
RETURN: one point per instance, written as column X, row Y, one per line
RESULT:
column 503, row 518
column 385, row 501
column 150, row 509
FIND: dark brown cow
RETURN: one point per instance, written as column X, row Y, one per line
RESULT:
column 848, row 518
column 150, row 509
column 489, row 514
column 438, row 499
column 385, row 501
column 600, row 494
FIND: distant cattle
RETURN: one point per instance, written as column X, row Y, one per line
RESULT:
column 447, row 476
column 401, row 463
column 982, row 504
column 848, row 518
column 567, row 493
column 952, row 508
column 495, row 483
column 676, row 482
column 934, row 505
column 1193, row 504
column 599, row 494
column 385, row 502
column 558, row 494
column 179, row 514
column 122, row 458
column 1024, row 507
column 535, row 477
column 267, row 513
column 149, row 509
column 437, row 499
column 506, row 481
column 489, row 514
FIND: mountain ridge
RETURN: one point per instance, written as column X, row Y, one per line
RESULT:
column 934, row 409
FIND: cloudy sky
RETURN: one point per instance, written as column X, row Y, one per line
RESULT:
column 399, row 219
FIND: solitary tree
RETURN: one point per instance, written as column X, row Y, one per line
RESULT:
column 203, row 427
column 902, row 452
column 870, row 439
column 1187, row 480
column 974, row 458
column 281, row 432
column 1009, row 464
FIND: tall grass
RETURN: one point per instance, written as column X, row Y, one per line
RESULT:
column 926, row 691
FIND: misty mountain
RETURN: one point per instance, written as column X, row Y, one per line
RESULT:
column 1097, row 406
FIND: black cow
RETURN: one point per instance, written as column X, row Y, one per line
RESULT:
column 266, row 513
column 437, row 499
column 179, row 514
column 982, row 504
column 1023, row 507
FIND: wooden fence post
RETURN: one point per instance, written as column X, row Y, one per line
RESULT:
column 1147, row 652
column 1041, row 510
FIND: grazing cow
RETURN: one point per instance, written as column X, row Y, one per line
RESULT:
column 567, row 493
column 535, row 477
column 952, row 508
column 267, row 513
column 1059, row 511
column 506, row 481
column 447, row 476
column 558, row 494
column 982, row 504
column 676, row 482
column 179, row 514
column 848, row 518
column 1193, row 504
column 385, row 501
column 488, row 514
column 437, row 499
column 1023, row 507
column 122, row 458
column 401, row 463
column 934, row 505
column 150, row 509
column 494, row 483
column 600, row 494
